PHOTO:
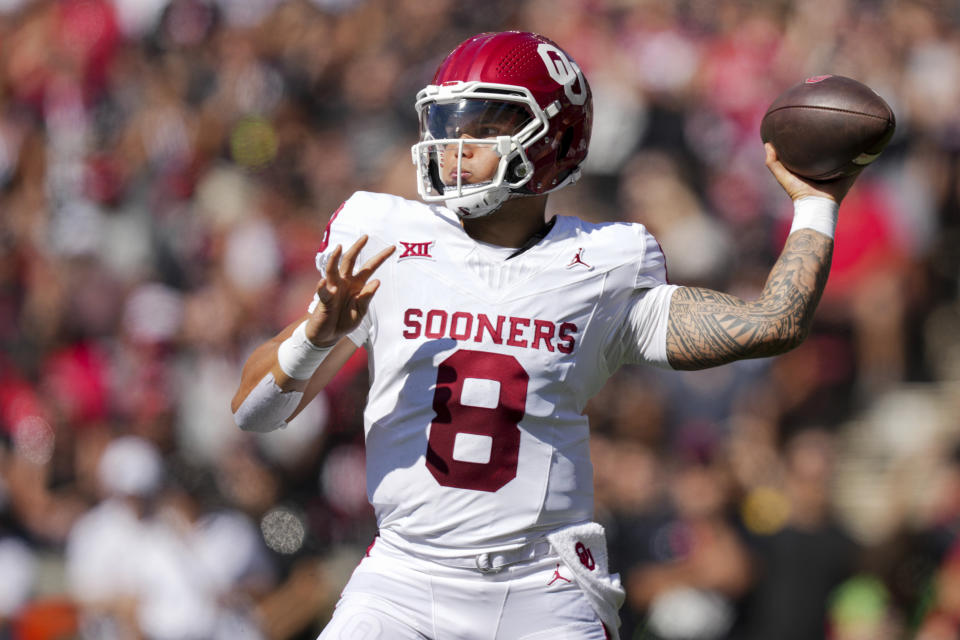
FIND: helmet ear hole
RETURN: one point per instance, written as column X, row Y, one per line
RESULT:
column 516, row 171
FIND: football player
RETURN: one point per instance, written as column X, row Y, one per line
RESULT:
column 493, row 329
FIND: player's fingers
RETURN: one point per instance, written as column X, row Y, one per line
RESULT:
column 791, row 183
column 324, row 292
column 770, row 152
column 362, row 300
column 321, row 287
column 773, row 164
column 350, row 257
column 333, row 265
column 368, row 290
column 374, row 263
column 837, row 189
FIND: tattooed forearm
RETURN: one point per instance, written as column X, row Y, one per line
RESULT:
column 708, row 328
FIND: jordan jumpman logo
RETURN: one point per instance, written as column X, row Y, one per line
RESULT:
column 578, row 259
column 557, row 576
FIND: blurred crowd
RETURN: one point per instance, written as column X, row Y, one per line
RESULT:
column 167, row 168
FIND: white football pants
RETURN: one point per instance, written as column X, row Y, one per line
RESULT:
column 393, row 596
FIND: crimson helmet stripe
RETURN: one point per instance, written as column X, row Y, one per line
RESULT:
column 468, row 64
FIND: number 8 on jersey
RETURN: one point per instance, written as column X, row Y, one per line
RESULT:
column 474, row 441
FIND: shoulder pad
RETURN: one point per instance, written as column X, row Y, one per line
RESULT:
column 363, row 210
column 378, row 215
column 612, row 245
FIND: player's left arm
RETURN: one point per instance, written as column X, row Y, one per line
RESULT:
column 708, row 328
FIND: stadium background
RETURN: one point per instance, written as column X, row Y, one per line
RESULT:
column 166, row 171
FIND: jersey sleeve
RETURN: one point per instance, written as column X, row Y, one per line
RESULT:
column 343, row 229
column 652, row 270
column 640, row 334
column 643, row 337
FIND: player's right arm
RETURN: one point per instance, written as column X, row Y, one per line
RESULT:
column 285, row 373
column 708, row 328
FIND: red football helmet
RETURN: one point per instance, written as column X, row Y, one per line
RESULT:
column 517, row 92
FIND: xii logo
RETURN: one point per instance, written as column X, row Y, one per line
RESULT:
column 415, row 250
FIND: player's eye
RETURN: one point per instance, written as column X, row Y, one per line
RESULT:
column 474, row 119
column 484, row 130
column 489, row 131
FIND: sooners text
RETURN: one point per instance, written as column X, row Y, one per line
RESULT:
column 512, row 331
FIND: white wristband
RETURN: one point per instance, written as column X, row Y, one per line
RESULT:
column 298, row 357
column 817, row 213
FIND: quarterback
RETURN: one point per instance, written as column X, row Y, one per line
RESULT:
column 493, row 329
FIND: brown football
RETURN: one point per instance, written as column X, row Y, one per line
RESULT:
column 828, row 126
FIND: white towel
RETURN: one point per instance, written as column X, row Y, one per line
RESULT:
column 583, row 548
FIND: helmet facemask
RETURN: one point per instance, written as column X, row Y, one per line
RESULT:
column 461, row 119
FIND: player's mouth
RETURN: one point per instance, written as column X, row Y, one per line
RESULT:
column 464, row 177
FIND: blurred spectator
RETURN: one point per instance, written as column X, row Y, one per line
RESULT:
column 106, row 546
column 701, row 566
column 18, row 566
column 682, row 561
column 801, row 553
column 147, row 562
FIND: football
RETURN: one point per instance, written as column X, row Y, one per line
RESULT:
column 828, row 126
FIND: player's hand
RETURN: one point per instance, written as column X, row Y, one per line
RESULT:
column 344, row 295
column 797, row 187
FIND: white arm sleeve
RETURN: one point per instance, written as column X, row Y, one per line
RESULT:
column 266, row 407
column 643, row 337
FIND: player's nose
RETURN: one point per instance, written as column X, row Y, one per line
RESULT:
column 462, row 148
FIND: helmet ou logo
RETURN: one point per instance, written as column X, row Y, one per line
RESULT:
column 565, row 72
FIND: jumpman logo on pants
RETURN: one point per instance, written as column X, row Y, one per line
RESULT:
column 557, row 576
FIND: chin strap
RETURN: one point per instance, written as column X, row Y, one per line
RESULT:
column 477, row 205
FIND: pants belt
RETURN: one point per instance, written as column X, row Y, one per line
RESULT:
column 494, row 561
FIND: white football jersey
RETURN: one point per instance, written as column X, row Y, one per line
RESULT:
column 481, row 368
